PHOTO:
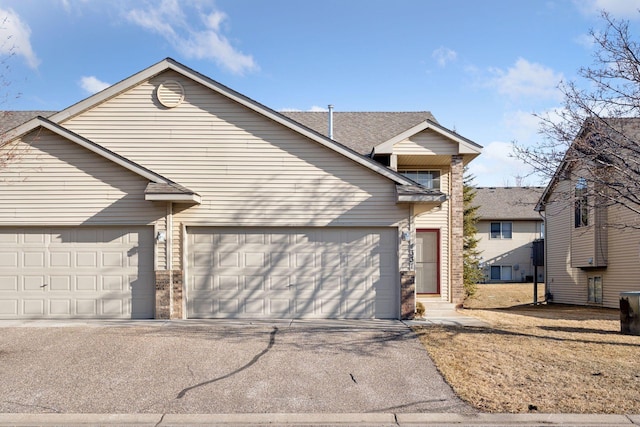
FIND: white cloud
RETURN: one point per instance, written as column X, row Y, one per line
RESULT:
column 444, row 55
column 496, row 166
column 92, row 85
column 205, row 41
column 317, row 108
column 527, row 79
column 15, row 37
column 524, row 126
column 625, row 9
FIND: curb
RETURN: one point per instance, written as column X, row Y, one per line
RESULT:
column 326, row 419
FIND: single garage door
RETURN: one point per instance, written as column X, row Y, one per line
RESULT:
column 89, row 272
column 292, row 273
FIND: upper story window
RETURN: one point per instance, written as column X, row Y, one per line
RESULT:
column 428, row 179
column 581, row 204
column 501, row 230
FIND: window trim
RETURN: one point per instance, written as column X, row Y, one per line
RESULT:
column 501, row 235
column 594, row 290
column 502, row 269
column 581, row 204
column 404, row 171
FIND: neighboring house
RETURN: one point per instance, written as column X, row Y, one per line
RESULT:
column 590, row 259
column 169, row 195
column 507, row 227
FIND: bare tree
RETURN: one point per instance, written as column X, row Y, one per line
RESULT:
column 8, row 152
column 595, row 138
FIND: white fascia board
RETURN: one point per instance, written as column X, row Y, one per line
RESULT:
column 421, row 199
column 178, row 198
column 110, row 92
column 387, row 146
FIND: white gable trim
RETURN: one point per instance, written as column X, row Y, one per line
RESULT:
column 465, row 146
column 170, row 64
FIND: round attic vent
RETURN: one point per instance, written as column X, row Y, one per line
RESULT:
column 170, row 93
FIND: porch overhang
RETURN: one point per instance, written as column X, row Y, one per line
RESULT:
column 170, row 192
column 419, row 194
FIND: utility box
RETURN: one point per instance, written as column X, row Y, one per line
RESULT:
column 630, row 313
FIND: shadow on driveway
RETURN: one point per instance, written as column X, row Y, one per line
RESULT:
column 219, row 367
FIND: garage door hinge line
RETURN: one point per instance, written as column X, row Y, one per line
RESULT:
column 272, row 341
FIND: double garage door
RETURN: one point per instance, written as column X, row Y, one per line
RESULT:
column 107, row 272
column 85, row 272
column 292, row 273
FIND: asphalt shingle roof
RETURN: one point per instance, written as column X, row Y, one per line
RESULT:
column 360, row 131
column 512, row 203
column 11, row 119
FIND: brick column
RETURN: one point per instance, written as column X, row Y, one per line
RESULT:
column 163, row 294
column 176, row 294
column 407, row 294
column 456, row 285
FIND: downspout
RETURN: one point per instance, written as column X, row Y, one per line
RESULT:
column 544, row 237
column 330, row 121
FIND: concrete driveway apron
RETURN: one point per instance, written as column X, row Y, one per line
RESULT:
column 218, row 367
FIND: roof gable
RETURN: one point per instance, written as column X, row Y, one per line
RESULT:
column 160, row 181
column 170, row 64
column 465, row 146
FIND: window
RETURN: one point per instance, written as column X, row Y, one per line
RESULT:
column 595, row 290
column 501, row 272
column 501, row 230
column 428, row 179
column 581, row 204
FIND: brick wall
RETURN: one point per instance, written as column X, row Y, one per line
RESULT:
column 407, row 294
column 457, row 233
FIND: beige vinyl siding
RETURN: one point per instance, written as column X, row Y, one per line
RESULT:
column 161, row 247
column 55, row 181
column 514, row 251
column 249, row 170
column 623, row 267
column 568, row 285
column 434, row 216
column 582, row 246
column 426, row 142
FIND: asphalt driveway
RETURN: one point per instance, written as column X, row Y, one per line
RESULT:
column 218, row 367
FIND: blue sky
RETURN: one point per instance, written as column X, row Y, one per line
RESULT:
column 482, row 67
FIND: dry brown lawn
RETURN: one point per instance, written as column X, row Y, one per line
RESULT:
column 545, row 358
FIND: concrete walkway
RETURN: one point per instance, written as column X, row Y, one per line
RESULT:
column 324, row 419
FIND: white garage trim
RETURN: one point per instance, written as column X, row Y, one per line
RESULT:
column 281, row 272
column 76, row 272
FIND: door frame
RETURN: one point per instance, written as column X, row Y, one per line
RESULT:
column 438, row 257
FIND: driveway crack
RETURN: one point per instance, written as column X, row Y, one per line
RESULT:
column 33, row 406
column 272, row 341
column 161, row 420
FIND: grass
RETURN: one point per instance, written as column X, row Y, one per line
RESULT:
column 544, row 358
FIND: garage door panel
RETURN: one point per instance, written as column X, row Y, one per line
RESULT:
column 291, row 272
column 60, row 307
column 9, row 307
column 8, row 284
column 77, row 272
column 60, row 283
column 33, row 307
